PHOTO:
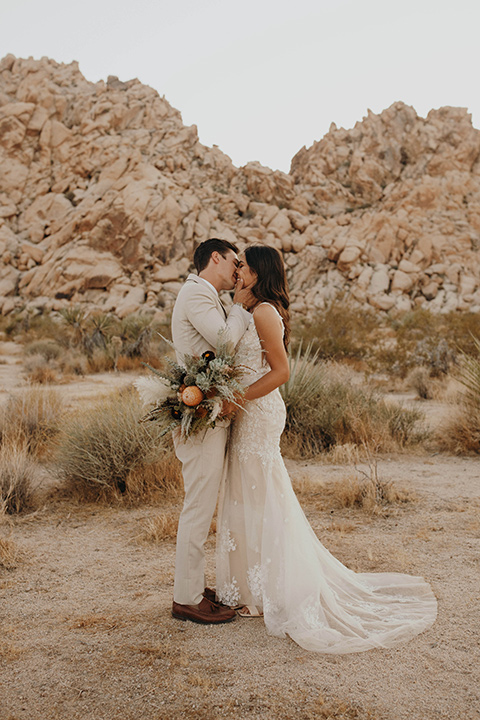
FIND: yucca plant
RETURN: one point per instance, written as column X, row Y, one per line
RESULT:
column 461, row 433
column 75, row 318
column 325, row 408
column 306, row 376
column 469, row 374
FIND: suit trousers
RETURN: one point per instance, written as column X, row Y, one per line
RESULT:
column 203, row 464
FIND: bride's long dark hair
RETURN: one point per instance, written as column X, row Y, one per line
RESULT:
column 271, row 285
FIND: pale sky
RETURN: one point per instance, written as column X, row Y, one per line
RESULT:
column 262, row 78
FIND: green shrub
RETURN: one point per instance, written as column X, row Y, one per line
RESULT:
column 105, row 452
column 325, row 408
column 48, row 349
column 339, row 332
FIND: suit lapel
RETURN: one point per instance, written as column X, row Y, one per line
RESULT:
column 195, row 279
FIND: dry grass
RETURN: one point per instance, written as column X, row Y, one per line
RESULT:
column 164, row 527
column 306, row 486
column 365, row 490
column 328, row 708
column 40, row 371
column 93, row 622
column 342, row 527
column 104, row 453
column 159, row 528
column 32, row 419
column 420, row 380
column 326, row 407
column 160, row 477
column 9, row 652
column 19, row 480
column 460, row 434
column 9, row 554
column 347, row 454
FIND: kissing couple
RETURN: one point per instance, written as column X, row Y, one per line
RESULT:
column 270, row 563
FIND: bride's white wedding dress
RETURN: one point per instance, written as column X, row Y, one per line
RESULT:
column 269, row 556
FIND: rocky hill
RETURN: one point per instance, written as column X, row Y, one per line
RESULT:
column 104, row 194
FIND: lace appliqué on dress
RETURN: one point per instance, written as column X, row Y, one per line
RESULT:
column 256, row 431
column 225, row 542
column 229, row 593
column 254, row 582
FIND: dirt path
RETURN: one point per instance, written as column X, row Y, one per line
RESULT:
column 87, row 631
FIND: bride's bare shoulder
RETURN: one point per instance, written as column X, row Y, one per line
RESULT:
column 267, row 317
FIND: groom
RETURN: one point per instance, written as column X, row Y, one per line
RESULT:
column 197, row 318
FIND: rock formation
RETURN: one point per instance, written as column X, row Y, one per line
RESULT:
column 104, row 194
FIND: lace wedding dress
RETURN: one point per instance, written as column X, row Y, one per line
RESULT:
column 269, row 556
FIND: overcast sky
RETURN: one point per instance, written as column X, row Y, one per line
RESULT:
column 262, row 78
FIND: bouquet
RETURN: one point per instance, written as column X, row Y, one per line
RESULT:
column 191, row 396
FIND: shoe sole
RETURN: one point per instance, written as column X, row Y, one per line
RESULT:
column 202, row 622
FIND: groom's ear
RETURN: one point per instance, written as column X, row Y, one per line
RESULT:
column 215, row 256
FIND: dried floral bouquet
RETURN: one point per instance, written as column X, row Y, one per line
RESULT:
column 191, row 396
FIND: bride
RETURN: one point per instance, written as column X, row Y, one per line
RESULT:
column 269, row 560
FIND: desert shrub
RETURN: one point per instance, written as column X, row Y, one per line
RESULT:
column 325, row 408
column 39, row 370
column 108, row 343
column 426, row 339
column 46, row 348
column 340, row 331
column 419, row 380
column 159, row 528
column 99, row 360
column 32, row 418
column 367, row 491
column 461, row 329
column 19, row 478
column 9, row 554
column 105, row 452
column 461, row 433
column 73, row 362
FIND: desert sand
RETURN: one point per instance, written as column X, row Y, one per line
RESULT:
column 86, row 630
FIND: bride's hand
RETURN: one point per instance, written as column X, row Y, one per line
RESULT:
column 244, row 295
column 231, row 408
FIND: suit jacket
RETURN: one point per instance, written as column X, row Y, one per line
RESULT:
column 198, row 316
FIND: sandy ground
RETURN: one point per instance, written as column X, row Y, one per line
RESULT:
column 86, row 630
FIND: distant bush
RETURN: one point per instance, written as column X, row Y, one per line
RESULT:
column 104, row 452
column 339, row 332
column 31, row 418
column 19, row 478
column 39, row 370
column 48, row 349
column 324, row 408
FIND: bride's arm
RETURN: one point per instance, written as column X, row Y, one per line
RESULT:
column 270, row 331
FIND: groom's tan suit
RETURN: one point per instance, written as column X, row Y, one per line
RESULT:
column 197, row 318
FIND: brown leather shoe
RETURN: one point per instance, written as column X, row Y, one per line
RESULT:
column 207, row 613
column 212, row 596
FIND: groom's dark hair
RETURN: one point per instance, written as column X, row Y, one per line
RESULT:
column 204, row 251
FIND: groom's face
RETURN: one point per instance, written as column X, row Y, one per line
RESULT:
column 227, row 269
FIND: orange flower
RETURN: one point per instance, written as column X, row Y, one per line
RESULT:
column 192, row 396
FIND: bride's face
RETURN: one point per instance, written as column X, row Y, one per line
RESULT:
column 245, row 273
